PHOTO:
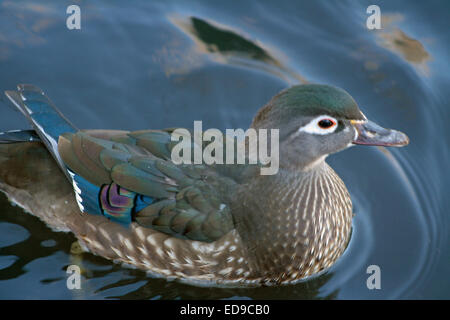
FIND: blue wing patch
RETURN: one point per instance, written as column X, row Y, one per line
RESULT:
column 111, row 200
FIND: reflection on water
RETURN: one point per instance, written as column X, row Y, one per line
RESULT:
column 230, row 47
column 166, row 64
column 396, row 40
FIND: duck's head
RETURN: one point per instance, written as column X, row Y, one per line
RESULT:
column 317, row 120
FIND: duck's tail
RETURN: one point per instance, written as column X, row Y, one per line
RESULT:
column 47, row 121
column 29, row 176
column 15, row 136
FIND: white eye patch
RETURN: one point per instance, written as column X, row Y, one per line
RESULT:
column 320, row 125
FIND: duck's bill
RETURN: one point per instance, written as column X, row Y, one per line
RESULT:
column 371, row 134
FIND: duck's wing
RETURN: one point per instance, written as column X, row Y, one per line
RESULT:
column 129, row 176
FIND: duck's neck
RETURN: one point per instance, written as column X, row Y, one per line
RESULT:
column 297, row 219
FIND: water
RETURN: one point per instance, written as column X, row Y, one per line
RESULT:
column 149, row 64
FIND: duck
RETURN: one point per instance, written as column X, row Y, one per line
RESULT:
column 125, row 199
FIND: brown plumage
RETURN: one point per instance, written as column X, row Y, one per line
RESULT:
column 274, row 229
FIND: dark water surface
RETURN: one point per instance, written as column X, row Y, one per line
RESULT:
column 149, row 64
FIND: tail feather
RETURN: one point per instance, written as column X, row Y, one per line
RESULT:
column 15, row 136
column 48, row 122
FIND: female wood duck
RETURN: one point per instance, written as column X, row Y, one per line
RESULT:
column 202, row 224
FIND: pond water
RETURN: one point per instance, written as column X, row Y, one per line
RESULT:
column 149, row 64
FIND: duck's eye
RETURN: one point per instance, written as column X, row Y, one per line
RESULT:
column 326, row 123
column 323, row 124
